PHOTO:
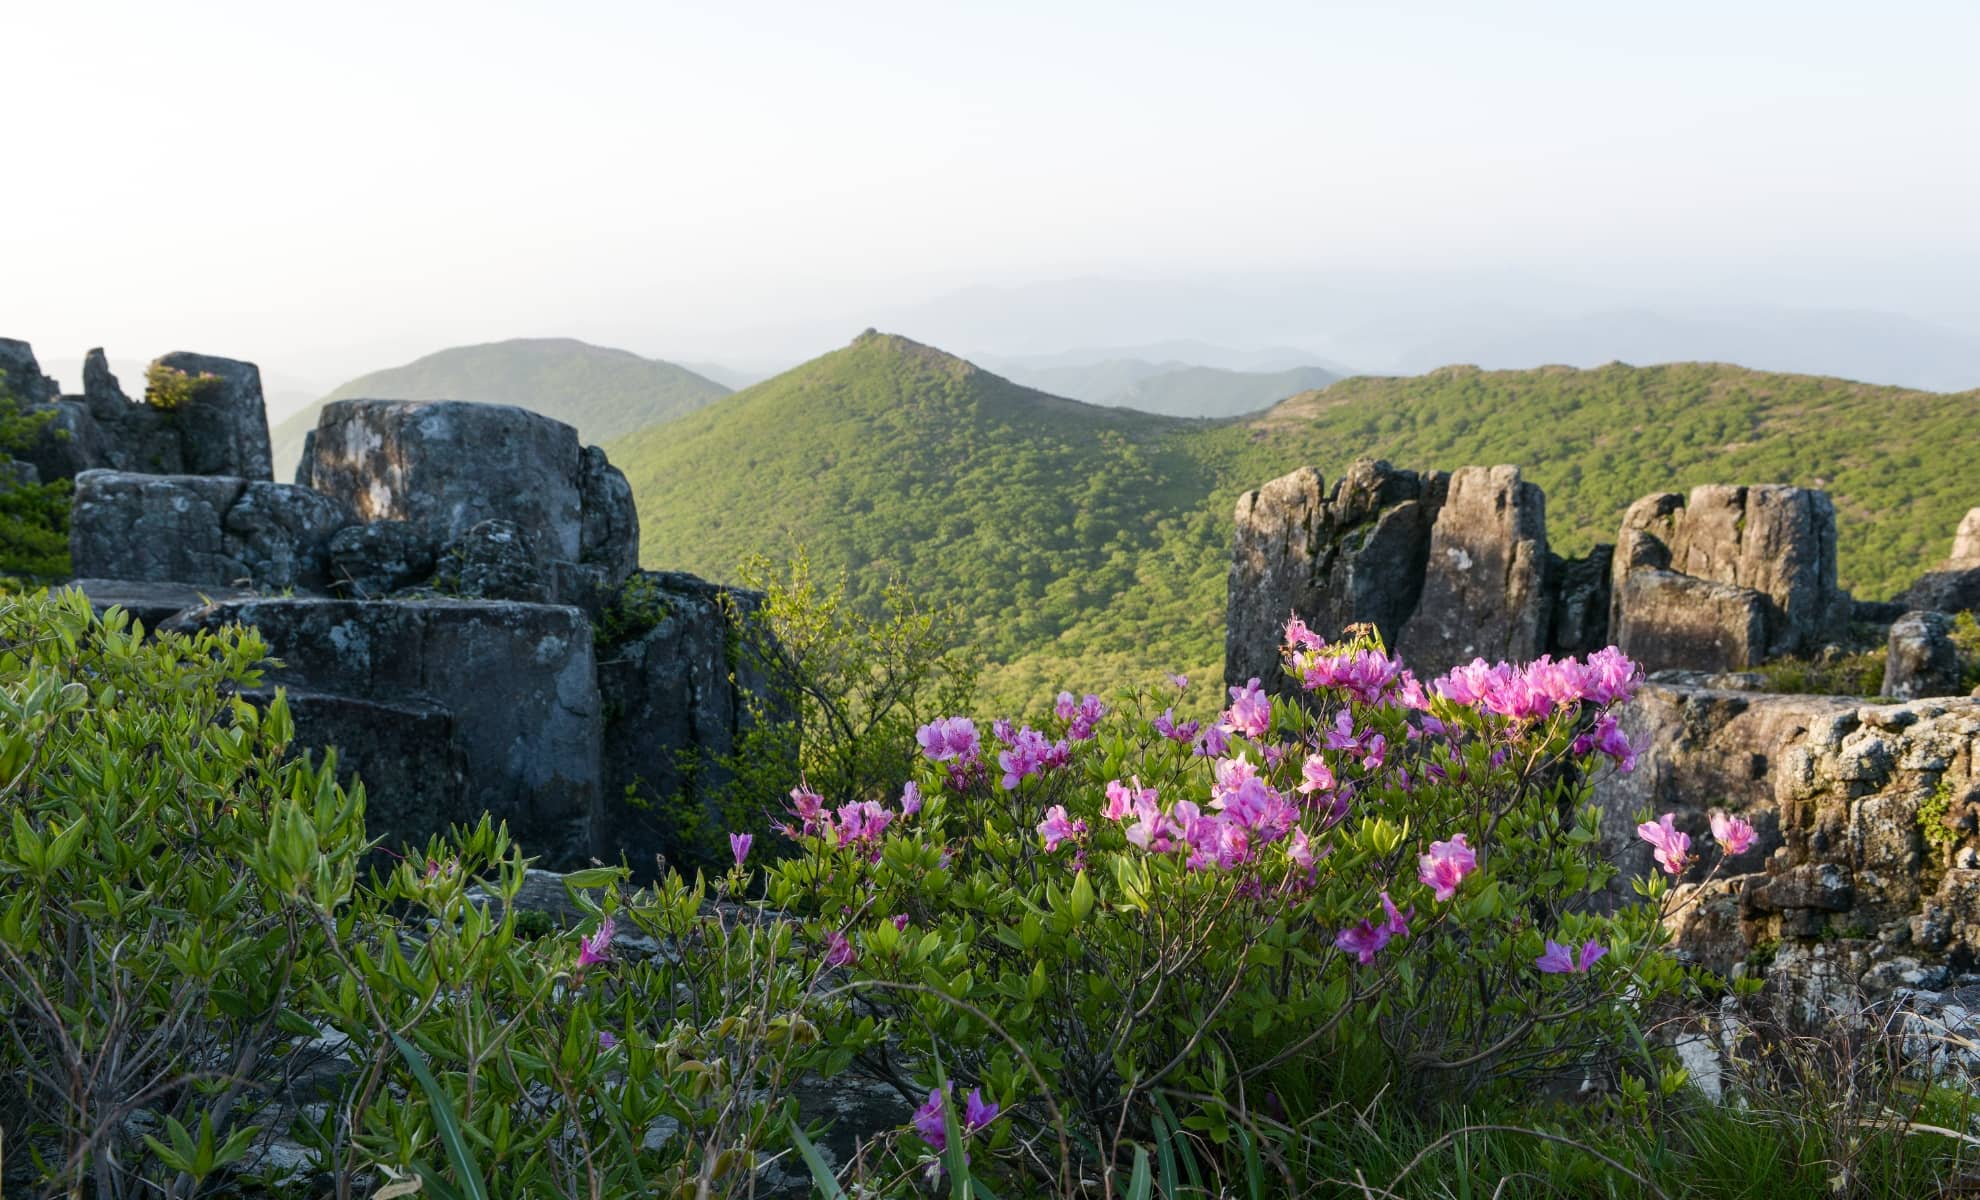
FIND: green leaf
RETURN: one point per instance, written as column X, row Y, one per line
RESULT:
column 821, row 1175
column 449, row 1125
column 1140, row 1184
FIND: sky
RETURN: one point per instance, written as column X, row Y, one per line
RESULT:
column 331, row 189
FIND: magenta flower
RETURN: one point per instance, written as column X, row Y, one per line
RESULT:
column 977, row 1112
column 1559, row 960
column 1364, row 939
column 739, row 844
column 838, row 950
column 1250, row 712
column 1299, row 849
column 1445, row 866
column 606, row 1039
column 1178, row 682
column 1315, row 776
column 1299, row 637
column 598, row 947
column 1733, row 834
column 1607, row 738
column 928, row 1123
column 1058, row 827
column 1673, row 848
column 1398, row 922
column 950, row 739
column 910, row 799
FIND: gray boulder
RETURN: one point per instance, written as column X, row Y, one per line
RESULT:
column 202, row 530
column 406, row 751
column 1950, row 589
column 495, row 560
column 1770, row 548
column 1922, row 659
column 223, row 429
column 1354, row 555
column 675, row 684
column 375, row 559
column 519, row 682
column 1484, row 582
column 20, row 374
column 444, row 467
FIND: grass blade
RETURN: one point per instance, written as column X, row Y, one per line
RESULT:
column 472, row 1185
column 828, row 1183
column 1165, row 1155
column 1140, row 1184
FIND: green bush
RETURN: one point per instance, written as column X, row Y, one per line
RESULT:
column 169, row 389
column 34, row 517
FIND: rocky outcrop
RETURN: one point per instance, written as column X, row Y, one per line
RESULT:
column 202, row 530
column 1353, row 555
column 151, row 602
column 1484, row 583
column 1952, row 586
column 1446, row 567
column 373, row 560
column 1922, row 660
column 1726, row 578
column 514, row 687
column 1866, row 876
column 20, row 374
column 446, row 467
column 679, row 679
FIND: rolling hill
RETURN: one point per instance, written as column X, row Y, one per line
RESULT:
column 603, row 392
column 1175, row 389
column 1088, row 544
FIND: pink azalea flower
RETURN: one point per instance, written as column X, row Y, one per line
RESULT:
column 606, row 1039
column 1733, row 834
column 1363, row 940
column 1250, row 712
column 1559, row 960
column 1446, row 865
column 1315, row 776
column 1057, row 828
column 1300, row 850
column 1673, row 848
column 1299, row 637
column 838, row 950
column 598, row 947
column 1178, row 682
column 739, row 844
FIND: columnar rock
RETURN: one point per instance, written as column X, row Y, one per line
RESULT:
column 1350, row 556
column 444, row 467
column 1734, row 576
column 517, row 684
column 202, row 530
column 678, row 680
column 1922, row 660
column 220, row 429
column 1484, row 584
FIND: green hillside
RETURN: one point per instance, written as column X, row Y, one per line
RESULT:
column 601, row 391
column 1090, row 542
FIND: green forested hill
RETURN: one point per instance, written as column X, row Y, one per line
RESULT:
column 601, row 391
column 1088, row 544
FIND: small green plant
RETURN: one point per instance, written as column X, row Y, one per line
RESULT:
column 34, row 517
column 170, row 389
column 1966, row 643
column 635, row 607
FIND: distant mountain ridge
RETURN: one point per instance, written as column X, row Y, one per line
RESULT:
column 1089, row 545
column 604, row 392
column 1177, row 379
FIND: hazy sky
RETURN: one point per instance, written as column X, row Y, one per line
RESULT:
column 331, row 187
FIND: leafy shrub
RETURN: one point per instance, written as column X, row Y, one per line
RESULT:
column 1124, row 924
column 34, row 517
column 169, row 389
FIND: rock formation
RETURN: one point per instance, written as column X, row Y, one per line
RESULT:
column 1446, row 567
column 1922, row 660
column 440, row 568
column 1354, row 555
column 1484, row 585
column 1866, row 875
column 1726, row 579
column 221, row 428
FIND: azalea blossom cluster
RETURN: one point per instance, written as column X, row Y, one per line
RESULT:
column 930, row 1122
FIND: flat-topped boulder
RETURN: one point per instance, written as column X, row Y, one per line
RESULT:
column 202, row 530
column 445, row 467
column 1769, row 548
column 518, row 681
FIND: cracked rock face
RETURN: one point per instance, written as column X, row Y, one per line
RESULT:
column 1922, row 660
column 1484, row 583
column 221, row 430
column 1352, row 555
column 1726, row 578
column 202, row 530
column 445, row 467
column 517, row 683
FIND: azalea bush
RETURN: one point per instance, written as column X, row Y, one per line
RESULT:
column 1126, row 925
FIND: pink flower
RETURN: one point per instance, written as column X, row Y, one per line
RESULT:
column 910, row 799
column 1299, row 849
column 598, row 947
column 1082, row 716
column 1607, row 737
column 1057, row 828
column 1734, row 835
column 977, row 1112
column 606, row 1039
column 1559, row 960
column 1168, row 727
column 1315, row 776
column 1673, row 847
column 1397, row 922
column 1250, row 712
column 1299, row 637
column 739, row 844
column 1178, row 682
column 950, row 739
column 838, row 950
column 1366, row 938
column 933, row 1129
column 1446, row 865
